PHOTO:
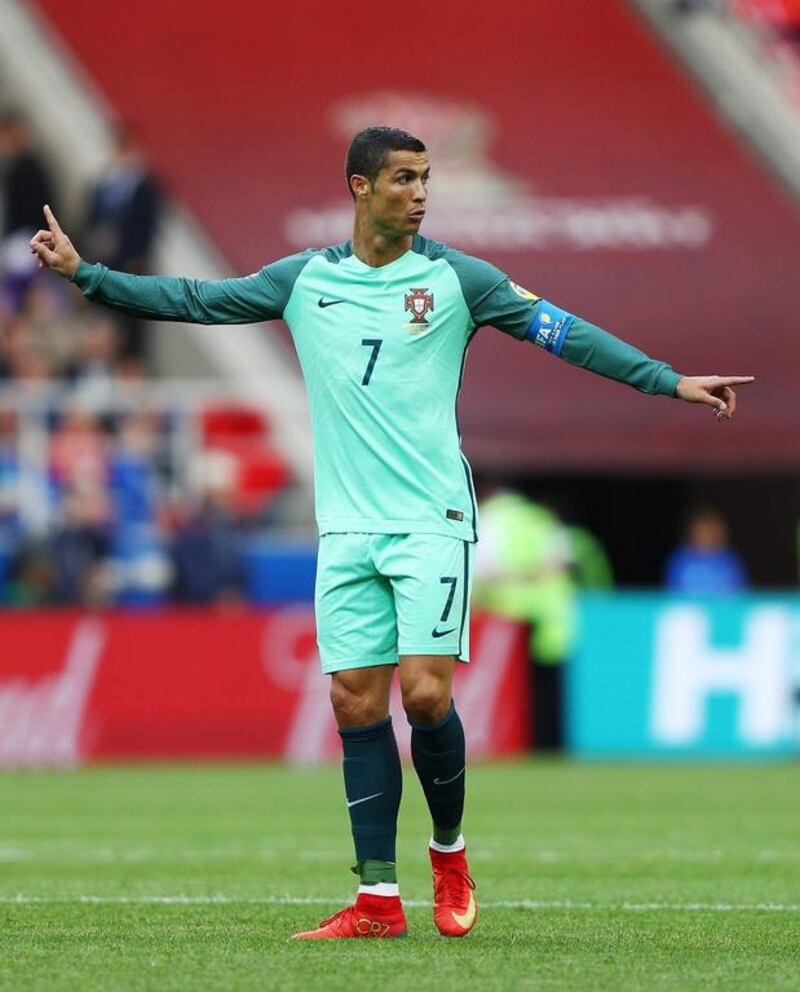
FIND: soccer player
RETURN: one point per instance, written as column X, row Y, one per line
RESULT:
column 381, row 324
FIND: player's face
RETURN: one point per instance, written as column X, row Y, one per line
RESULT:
column 397, row 197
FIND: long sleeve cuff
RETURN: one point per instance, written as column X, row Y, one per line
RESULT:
column 87, row 277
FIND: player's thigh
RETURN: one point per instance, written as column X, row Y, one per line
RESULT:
column 431, row 578
column 354, row 606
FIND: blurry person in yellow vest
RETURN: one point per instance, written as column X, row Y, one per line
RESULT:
column 523, row 571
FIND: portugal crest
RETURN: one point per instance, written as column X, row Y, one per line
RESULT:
column 419, row 302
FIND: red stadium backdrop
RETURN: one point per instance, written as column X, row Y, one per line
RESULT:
column 567, row 147
column 78, row 688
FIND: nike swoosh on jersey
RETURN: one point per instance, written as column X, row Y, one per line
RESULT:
column 441, row 633
column 328, row 303
column 355, row 802
column 447, row 781
column 466, row 920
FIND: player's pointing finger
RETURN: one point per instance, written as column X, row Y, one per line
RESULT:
column 52, row 223
column 734, row 380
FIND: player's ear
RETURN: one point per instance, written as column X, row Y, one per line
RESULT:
column 360, row 186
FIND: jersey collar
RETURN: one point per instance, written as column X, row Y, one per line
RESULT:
column 381, row 270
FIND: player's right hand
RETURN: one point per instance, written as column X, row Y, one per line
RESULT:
column 54, row 249
column 714, row 390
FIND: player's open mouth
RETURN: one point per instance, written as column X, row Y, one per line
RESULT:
column 417, row 215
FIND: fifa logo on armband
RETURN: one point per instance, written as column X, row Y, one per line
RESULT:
column 419, row 302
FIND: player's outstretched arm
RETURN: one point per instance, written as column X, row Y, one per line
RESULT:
column 218, row 301
column 495, row 299
column 715, row 391
column 593, row 348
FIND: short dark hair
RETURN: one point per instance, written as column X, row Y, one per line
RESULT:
column 368, row 151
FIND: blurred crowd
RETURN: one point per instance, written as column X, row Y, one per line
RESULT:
column 111, row 493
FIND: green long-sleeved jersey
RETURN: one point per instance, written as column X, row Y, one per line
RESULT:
column 382, row 351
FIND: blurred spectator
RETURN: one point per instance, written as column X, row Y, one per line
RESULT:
column 81, row 547
column 16, row 337
column 140, row 567
column 29, row 365
column 131, row 378
column 134, row 480
column 140, row 562
column 522, row 571
column 705, row 564
column 93, row 370
column 79, row 452
column 24, row 188
column 124, row 208
column 52, row 323
column 122, row 221
column 207, row 544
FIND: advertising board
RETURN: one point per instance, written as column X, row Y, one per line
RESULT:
column 693, row 678
column 76, row 688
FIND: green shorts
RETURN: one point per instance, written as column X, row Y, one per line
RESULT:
column 383, row 595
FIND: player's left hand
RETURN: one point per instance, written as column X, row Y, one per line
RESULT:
column 714, row 390
column 54, row 249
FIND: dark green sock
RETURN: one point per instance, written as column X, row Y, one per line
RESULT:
column 373, row 785
column 439, row 755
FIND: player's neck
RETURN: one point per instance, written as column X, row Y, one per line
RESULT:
column 376, row 249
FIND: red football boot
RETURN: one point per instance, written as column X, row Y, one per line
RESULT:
column 369, row 916
column 454, row 907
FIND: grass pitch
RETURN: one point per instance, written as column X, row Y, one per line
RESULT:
column 589, row 878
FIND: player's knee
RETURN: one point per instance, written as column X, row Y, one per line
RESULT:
column 354, row 707
column 427, row 701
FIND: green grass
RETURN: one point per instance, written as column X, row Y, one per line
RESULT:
column 590, row 878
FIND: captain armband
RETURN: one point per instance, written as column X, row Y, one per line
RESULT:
column 549, row 327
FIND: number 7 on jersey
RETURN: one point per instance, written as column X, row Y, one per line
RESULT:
column 375, row 344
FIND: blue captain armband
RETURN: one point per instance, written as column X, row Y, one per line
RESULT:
column 549, row 327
